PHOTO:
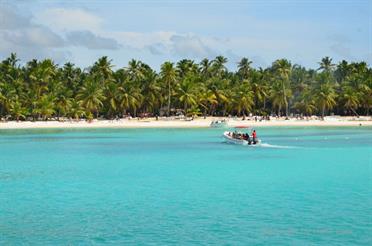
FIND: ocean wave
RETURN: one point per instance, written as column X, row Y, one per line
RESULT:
column 266, row 145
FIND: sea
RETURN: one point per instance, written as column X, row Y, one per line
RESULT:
column 302, row 186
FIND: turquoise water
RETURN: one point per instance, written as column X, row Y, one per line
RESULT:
column 184, row 186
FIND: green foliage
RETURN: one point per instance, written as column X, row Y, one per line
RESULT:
column 44, row 90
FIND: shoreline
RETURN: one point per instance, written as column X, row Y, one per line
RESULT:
column 178, row 123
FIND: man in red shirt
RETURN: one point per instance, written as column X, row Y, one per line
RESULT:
column 254, row 136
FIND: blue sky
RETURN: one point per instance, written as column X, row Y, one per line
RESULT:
column 160, row 30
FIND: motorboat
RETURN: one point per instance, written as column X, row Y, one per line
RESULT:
column 218, row 124
column 237, row 138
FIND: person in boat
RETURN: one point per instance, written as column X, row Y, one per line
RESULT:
column 254, row 136
column 248, row 138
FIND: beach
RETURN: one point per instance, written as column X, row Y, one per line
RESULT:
column 182, row 123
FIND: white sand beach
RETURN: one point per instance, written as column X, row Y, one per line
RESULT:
column 181, row 123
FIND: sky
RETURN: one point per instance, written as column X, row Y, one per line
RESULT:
column 155, row 31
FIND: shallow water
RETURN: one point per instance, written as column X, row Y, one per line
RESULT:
column 304, row 186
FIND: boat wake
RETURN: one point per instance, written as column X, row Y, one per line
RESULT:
column 266, row 145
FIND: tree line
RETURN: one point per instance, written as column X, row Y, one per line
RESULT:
column 40, row 90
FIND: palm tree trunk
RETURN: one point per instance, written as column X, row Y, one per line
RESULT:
column 354, row 112
column 286, row 109
column 169, row 98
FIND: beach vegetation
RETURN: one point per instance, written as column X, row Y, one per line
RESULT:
column 44, row 90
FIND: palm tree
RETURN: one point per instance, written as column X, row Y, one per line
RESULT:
column 206, row 99
column 244, row 67
column 151, row 90
column 63, row 104
column 216, row 86
column 282, row 68
column 44, row 73
column 306, row 103
column 45, row 107
column 103, row 68
column 44, row 89
column 92, row 96
column 186, row 92
column 185, row 66
column 76, row 110
column 135, row 70
column 325, row 96
column 243, row 98
column 350, row 98
column 260, row 89
column 71, row 77
column 168, row 75
column 7, row 93
column 17, row 110
column 112, row 94
column 279, row 95
column 342, row 71
column 366, row 95
column 12, row 60
column 205, row 67
column 326, row 64
column 218, row 66
column 130, row 98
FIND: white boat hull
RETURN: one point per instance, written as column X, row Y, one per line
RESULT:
column 229, row 139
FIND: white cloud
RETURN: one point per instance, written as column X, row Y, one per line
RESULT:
column 157, row 49
column 170, row 43
column 30, row 38
column 140, row 40
column 91, row 41
column 10, row 19
column 70, row 19
column 190, row 46
column 18, row 33
column 67, row 27
column 34, row 37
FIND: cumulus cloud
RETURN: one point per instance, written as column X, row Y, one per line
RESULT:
column 143, row 40
column 34, row 37
column 181, row 45
column 91, row 41
column 58, row 30
column 170, row 43
column 67, row 19
column 30, row 38
column 157, row 49
column 18, row 33
column 54, row 33
column 190, row 46
column 9, row 19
